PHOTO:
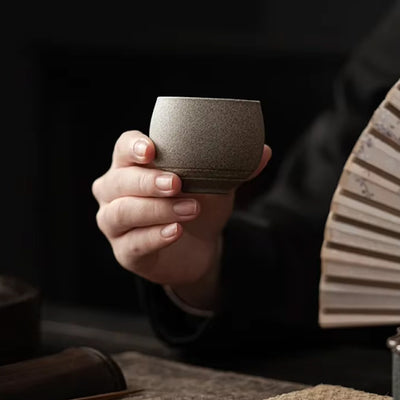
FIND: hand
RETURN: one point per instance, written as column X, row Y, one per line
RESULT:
column 157, row 232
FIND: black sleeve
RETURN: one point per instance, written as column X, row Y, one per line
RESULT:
column 271, row 264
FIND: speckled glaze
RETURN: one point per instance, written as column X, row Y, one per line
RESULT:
column 212, row 144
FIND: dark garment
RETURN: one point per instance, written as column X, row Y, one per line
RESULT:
column 271, row 260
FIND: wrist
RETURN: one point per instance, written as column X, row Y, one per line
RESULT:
column 203, row 293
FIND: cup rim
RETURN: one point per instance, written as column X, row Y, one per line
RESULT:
column 209, row 99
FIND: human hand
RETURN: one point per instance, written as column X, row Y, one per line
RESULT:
column 155, row 230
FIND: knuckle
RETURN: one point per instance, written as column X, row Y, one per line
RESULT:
column 112, row 218
column 133, row 133
column 118, row 214
column 117, row 144
column 145, row 183
column 118, row 182
column 157, row 208
column 129, row 136
column 96, row 188
column 122, row 140
column 100, row 220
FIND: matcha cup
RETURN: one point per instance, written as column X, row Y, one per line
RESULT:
column 213, row 144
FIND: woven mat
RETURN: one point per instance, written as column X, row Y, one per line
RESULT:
column 329, row 392
column 169, row 380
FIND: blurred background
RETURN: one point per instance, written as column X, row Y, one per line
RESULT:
column 75, row 75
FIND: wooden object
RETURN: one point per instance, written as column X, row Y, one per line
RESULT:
column 72, row 373
column 121, row 394
column 360, row 255
column 20, row 319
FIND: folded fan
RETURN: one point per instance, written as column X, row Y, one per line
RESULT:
column 360, row 255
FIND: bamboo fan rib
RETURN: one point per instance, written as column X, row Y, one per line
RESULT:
column 360, row 255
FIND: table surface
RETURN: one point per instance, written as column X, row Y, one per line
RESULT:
column 170, row 380
column 356, row 366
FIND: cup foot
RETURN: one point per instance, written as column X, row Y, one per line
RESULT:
column 209, row 186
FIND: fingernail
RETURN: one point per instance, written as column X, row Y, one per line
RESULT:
column 185, row 207
column 140, row 147
column 169, row 230
column 164, row 182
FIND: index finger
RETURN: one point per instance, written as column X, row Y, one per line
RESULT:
column 266, row 155
column 132, row 147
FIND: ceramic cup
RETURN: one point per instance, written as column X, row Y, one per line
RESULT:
column 213, row 144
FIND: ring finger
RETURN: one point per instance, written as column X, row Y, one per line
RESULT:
column 136, row 181
column 126, row 213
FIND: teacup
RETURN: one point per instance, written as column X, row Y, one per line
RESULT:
column 213, row 144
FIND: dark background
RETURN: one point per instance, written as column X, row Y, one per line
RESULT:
column 74, row 76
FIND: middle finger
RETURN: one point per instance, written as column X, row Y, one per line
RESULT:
column 139, row 181
column 126, row 213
